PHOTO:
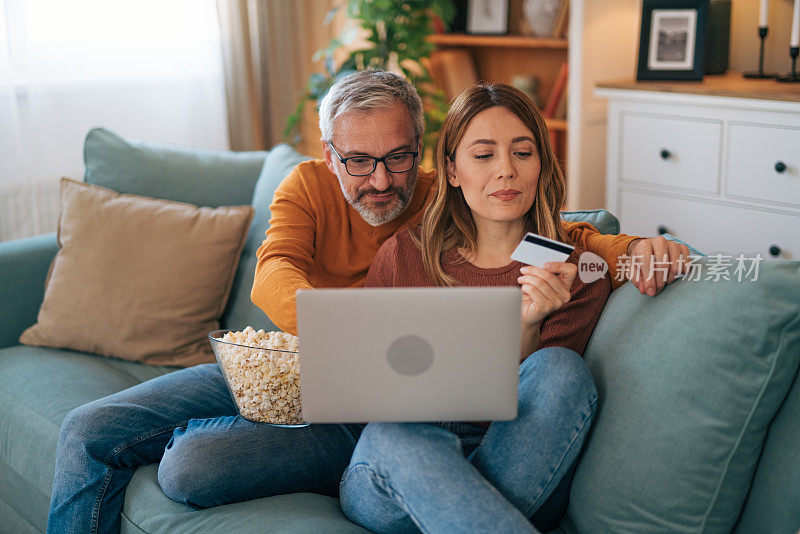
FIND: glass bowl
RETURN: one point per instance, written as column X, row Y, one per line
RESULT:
column 260, row 381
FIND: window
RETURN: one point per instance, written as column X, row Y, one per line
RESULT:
column 145, row 69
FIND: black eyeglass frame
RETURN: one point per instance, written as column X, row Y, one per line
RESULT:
column 375, row 161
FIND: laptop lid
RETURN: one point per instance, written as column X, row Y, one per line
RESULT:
column 409, row 354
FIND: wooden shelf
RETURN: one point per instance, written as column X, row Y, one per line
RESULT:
column 502, row 41
column 731, row 84
column 499, row 58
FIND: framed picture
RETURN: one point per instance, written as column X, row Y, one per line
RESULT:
column 672, row 41
column 488, row 17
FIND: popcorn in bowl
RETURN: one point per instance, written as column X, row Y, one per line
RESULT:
column 262, row 370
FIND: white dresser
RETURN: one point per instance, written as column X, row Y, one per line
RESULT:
column 715, row 163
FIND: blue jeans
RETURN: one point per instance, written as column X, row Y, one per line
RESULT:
column 209, row 455
column 453, row 477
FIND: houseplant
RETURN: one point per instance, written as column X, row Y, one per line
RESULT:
column 383, row 34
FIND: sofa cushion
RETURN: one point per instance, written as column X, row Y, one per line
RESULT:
column 773, row 504
column 65, row 380
column 241, row 311
column 13, row 522
column 23, row 507
column 148, row 510
column 688, row 382
column 138, row 278
column 198, row 176
column 604, row 221
column 38, row 387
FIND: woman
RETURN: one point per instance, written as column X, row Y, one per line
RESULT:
column 498, row 179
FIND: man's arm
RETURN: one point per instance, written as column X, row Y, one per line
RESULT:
column 612, row 248
column 286, row 256
column 650, row 263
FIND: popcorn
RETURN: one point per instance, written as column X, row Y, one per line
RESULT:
column 263, row 377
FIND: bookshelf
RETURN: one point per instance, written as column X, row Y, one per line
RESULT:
column 498, row 59
column 503, row 41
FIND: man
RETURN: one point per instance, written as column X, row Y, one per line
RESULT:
column 326, row 226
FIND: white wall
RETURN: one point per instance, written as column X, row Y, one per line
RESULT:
column 608, row 51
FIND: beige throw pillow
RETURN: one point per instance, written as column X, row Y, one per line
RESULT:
column 138, row 278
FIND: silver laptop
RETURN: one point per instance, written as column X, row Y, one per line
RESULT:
column 409, row 354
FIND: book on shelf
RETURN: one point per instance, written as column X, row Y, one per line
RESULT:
column 453, row 69
column 558, row 93
column 561, row 21
column 561, row 110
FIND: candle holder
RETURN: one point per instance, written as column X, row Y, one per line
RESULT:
column 792, row 76
column 762, row 34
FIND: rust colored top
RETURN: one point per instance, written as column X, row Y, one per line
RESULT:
column 399, row 264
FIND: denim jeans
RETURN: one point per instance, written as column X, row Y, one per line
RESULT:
column 453, row 477
column 209, row 455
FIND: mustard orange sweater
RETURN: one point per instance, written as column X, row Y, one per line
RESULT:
column 316, row 239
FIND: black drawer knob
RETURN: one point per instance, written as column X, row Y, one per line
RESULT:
column 774, row 251
column 665, row 154
column 662, row 230
column 780, row 167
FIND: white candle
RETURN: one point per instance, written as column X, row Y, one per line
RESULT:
column 795, row 40
column 763, row 8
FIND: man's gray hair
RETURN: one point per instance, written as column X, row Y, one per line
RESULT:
column 369, row 90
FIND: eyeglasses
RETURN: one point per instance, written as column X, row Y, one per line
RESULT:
column 395, row 162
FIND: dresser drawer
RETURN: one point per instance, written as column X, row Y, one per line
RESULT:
column 754, row 151
column 672, row 152
column 711, row 227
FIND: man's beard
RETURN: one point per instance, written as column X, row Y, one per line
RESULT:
column 403, row 197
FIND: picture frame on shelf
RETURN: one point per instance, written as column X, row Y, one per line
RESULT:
column 672, row 40
column 545, row 18
column 487, row 17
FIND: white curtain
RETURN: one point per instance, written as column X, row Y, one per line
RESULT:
column 146, row 69
column 268, row 46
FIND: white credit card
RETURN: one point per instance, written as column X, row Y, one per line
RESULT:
column 537, row 250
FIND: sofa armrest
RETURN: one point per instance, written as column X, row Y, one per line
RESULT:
column 23, row 269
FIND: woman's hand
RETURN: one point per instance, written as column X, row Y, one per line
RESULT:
column 545, row 290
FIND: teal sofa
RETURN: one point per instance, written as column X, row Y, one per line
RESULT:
column 698, row 428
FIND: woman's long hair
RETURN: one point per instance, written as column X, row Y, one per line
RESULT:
column 447, row 221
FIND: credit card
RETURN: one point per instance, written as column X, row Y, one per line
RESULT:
column 537, row 250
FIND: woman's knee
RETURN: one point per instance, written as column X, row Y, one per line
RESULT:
column 368, row 500
column 560, row 370
column 357, row 489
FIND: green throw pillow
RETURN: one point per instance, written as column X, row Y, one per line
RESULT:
column 692, row 250
column 689, row 382
column 198, row 176
column 602, row 220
